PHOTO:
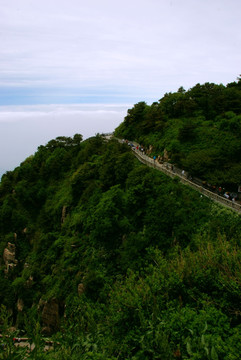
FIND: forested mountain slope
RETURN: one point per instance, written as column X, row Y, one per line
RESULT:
column 199, row 128
column 114, row 259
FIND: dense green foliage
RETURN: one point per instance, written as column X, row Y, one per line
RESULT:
column 200, row 128
column 158, row 267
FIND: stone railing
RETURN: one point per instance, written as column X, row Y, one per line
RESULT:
column 171, row 171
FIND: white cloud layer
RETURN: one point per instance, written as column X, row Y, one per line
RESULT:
column 24, row 128
column 76, row 51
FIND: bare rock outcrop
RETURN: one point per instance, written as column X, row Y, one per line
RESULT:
column 20, row 305
column 150, row 149
column 9, row 256
column 81, row 289
column 64, row 214
column 166, row 155
column 50, row 316
column 29, row 282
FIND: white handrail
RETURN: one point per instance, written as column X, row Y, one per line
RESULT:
column 155, row 164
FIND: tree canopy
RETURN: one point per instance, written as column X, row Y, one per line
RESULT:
column 200, row 129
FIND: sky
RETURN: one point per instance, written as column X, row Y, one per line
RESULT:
column 74, row 66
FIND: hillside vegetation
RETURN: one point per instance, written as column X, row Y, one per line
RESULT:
column 200, row 128
column 114, row 260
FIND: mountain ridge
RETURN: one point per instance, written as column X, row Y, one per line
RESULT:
column 115, row 260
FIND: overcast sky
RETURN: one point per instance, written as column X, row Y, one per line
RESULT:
column 104, row 52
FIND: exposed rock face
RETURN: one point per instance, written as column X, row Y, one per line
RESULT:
column 165, row 155
column 149, row 151
column 81, row 289
column 9, row 257
column 20, row 305
column 64, row 213
column 50, row 316
column 29, row 282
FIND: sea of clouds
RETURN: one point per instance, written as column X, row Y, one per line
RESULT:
column 24, row 128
